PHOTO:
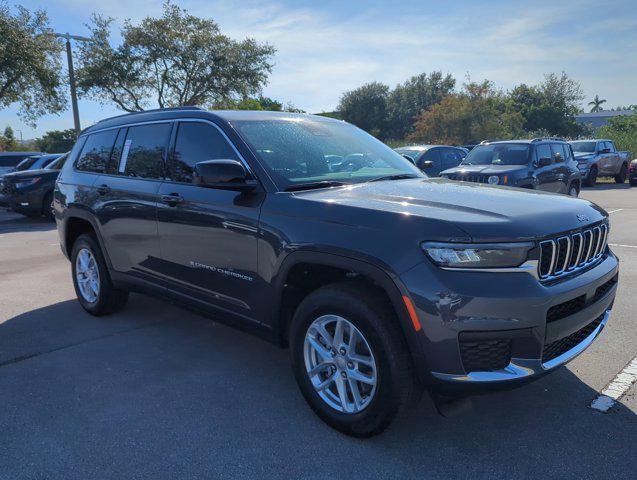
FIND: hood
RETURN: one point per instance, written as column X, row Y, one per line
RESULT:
column 484, row 213
column 486, row 169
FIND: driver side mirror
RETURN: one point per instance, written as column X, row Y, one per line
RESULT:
column 226, row 173
column 544, row 162
column 426, row 164
column 604, row 150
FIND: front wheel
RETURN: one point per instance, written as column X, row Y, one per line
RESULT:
column 621, row 176
column 592, row 177
column 350, row 359
column 92, row 282
column 573, row 191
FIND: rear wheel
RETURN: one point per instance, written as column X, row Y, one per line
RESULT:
column 592, row 177
column 92, row 282
column 621, row 176
column 47, row 206
column 350, row 359
column 633, row 182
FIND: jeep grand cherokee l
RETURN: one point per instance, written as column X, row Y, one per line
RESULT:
column 379, row 279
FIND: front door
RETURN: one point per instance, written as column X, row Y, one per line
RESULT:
column 547, row 176
column 208, row 236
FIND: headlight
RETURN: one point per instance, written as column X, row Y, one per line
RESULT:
column 468, row 255
column 27, row 183
column 493, row 180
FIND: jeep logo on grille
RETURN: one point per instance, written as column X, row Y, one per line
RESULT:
column 582, row 218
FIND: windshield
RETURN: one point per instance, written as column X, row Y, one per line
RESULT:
column 26, row 164
column 410, row 152
column 56, row 164
column 498, row 154
column 300, row 150
column 583, row 147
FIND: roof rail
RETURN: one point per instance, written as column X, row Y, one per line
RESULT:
column 154, row 110
column 557, row 139
column 484, row 142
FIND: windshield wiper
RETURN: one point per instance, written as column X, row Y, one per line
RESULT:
column 399, row 176
column 313, row 185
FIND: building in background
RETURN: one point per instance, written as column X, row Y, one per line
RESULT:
column 599, row 119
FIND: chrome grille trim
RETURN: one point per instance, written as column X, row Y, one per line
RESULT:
column 592, row 245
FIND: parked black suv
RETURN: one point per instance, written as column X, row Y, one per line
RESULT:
column 540, row 164
column 316, row 236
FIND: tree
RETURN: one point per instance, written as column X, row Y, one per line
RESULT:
column 175, row 60
column 597, row 104
column 30, row 64
column 8, row 142
column 258, row 103
column 477, row 113
column 623, row 131
column 56, row 141
column 413, row 96
column 549, row 106
column 366, row 107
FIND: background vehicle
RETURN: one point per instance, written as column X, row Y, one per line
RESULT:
column 30, row 192
column 599, row 158
column 378, row 278
column 441, row 157
column 539, row 164
column 35, row 162
column 632, row 173
column 9, row 160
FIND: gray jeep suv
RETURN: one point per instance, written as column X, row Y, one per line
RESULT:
column 316, row 236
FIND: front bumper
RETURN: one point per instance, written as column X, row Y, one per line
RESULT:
column 520, row 326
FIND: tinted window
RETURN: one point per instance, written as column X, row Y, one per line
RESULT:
column 11, row 160
column 568, row 152
column 96, row 152
column 57, row 164
column 450, row 158
column 543, row 151
column 558, row 152
column 197, row 142
column 144, row 151
column 113, row 164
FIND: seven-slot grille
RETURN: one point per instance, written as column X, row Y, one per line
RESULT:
column 564, row 254
column 467, row 178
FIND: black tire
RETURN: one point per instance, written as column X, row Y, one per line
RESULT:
column 109, row 299
column 633, row 182
column 47, row 211
column 573, row 190
column 397, row 386
column 591, row 180
column 621, row 176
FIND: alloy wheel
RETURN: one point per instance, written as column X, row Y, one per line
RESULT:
column 340, row 364
column 87, row 275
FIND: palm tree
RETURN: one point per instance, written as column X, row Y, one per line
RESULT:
column 597, row 104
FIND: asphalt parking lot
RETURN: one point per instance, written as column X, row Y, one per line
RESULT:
column 158, row 392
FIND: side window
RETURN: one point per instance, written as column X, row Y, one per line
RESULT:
column 144, row 151
column 113, row 165
column 558, row 152
column 601, row 146
column 96, row 152
column 450, row 158
column 543, row 151
column 610, row 146
column 432, row 155
column 568, row 153
column 197, row 142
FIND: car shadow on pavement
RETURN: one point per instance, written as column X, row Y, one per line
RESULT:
column 10, row 223
column 155, row 391
column 609, row 186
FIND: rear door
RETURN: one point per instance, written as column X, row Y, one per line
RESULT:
column 127, row 205
column 547, row 176
column 208, row 236
column 605, row 161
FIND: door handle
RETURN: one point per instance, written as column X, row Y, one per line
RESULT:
column 103, row 189
column 172, row 199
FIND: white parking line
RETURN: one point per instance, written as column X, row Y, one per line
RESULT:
column 620, row 245
column 616, row 210
column 615, row 389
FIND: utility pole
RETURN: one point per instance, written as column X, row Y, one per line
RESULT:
column 69, row 58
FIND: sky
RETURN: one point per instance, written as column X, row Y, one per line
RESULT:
column 326, row 48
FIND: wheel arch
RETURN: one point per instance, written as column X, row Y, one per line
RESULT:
column 348, row 267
